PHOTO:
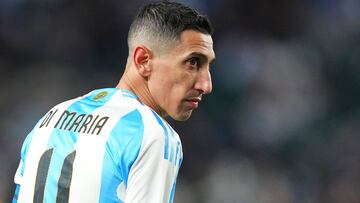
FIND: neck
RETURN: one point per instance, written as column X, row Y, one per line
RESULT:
column 137, row 84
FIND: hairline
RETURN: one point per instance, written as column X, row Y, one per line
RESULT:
column 151, row 41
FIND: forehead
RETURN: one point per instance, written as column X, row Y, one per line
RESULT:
column 193, row 41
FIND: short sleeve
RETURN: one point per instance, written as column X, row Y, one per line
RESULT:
column 152, row 177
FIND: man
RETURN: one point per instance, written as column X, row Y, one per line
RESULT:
column 113, row 145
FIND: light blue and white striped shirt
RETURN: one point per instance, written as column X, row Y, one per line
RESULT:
column 105, row 146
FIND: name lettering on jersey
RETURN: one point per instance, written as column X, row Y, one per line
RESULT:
column 75, row 122
column 48, row 118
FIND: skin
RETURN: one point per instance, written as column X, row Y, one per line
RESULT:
column 171, row 83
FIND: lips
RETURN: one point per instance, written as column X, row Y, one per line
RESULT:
column 193, row 102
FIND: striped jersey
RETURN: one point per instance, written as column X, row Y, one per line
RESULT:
column 105, row 146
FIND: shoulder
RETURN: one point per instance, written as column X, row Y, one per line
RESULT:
column 159, row 134
column 154, row 124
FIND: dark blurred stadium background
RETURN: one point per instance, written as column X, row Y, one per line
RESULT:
column 283, row 121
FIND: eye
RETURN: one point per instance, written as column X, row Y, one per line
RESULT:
column 194, row 62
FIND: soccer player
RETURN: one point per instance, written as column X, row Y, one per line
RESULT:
column 113, row 144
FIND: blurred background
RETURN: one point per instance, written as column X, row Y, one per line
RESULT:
column 283, row 121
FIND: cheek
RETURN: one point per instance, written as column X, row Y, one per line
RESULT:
column 169, row 80
column 169, row 85
column 168, row 92
column 160, row 85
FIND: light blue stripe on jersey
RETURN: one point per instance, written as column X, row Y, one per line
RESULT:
column 25, row 149
column 127, row 93
column 122, row 149
column 23, row 156
column 174, row 185
column 26, row 144
column 63, row 141
column 166, row 150
column 16, row 194
column 174, row 145
column 177, row 152
column 172, row 149
column 172, row 192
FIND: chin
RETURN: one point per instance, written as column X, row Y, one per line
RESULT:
column 182, row 116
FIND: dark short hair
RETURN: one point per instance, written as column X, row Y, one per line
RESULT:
column 166, row 20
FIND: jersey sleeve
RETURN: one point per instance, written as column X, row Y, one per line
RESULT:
column 151, row 177
column 24, row 150
column 18, row 178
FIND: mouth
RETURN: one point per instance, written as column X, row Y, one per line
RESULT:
column 193, row 102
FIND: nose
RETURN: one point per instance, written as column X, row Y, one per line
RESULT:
column 203, row 82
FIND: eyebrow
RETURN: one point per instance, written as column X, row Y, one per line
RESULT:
column 203, row 56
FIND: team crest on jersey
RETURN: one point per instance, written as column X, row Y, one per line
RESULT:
column 100, row 95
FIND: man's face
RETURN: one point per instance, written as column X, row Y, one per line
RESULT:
column 180, row 78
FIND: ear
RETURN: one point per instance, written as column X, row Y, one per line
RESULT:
column 141, row 58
